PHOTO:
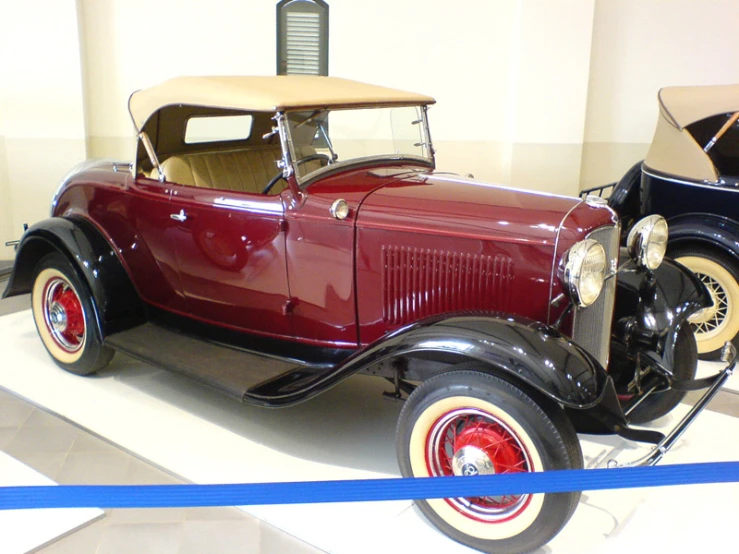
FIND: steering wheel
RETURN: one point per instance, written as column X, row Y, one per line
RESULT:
column 301, row 161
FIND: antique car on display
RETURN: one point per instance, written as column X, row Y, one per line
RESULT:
column 276, row 235
column 691, row 177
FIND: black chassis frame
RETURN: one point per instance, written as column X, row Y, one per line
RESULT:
column 650, row 308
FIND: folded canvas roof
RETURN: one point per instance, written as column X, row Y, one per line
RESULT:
column 281, row 92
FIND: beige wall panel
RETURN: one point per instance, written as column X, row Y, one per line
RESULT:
column 42, row 109
column 37, row 166
column 640, row 46
column 6, row 213
column 461, row 55
column 115, row 148
column 486, row 161
column 606, row 162
column 547, row 167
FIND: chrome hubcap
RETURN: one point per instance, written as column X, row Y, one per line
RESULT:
column 58, row 317
column 470, row 460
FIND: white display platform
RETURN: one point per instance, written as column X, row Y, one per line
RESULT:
column 24, row 530
column 348, row 433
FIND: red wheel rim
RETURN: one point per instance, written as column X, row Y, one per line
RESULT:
column 64, row 315
column 469, row 441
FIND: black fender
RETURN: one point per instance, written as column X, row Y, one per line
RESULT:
column 518, row 349
column 713, row 230
column 117, row 304
column 625, row 198
column 650, row 309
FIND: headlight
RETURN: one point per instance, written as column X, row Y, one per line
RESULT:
column 647, row 241
column 584, row 272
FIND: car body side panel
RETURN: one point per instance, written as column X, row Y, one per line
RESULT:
column 231, row 258
column 135, row 217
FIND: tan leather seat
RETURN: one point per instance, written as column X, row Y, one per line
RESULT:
column 247, row 170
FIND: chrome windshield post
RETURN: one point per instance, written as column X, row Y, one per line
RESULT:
column 285, row 164
column 427, row 134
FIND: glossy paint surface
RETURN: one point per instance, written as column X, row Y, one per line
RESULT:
column 415, row 244
column 522, row 348
column 231, row 258
column 134, row 216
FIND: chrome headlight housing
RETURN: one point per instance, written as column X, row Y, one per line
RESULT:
column 647, row 241
column 584, row 272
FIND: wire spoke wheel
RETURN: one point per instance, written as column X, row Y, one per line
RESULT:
column 64, row 314
column 718, row 323
column 469, row 441
column 466, row 423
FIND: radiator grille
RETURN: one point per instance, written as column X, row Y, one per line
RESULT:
column 592, row 326
column 419, row 282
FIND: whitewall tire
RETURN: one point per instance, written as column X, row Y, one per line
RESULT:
column 719, row 323
column 64, row 314
column 466, row 422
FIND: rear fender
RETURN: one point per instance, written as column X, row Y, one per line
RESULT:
column 117, row 303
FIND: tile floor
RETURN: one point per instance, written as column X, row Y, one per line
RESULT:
column 69, row 454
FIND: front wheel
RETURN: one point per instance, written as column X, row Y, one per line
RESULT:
column 466, row 422
column 65, row 317
column 718, row 323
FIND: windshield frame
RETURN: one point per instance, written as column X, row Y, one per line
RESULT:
column 305, row 180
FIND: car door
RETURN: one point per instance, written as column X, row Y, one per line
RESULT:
column 231, row 255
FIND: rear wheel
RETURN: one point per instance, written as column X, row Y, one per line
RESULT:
column 64, row 315
column 467, row 422
column 719, row 323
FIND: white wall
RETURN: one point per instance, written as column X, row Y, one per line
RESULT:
column 544, row 94
column 42, row 123
column 638, row 47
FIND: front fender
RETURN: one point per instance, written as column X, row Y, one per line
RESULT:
column 117, row 303
column 520, row 349
column 708, row 229
column 652, row 306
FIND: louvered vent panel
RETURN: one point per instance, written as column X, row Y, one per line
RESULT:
column 303, row 43
column 419, row 283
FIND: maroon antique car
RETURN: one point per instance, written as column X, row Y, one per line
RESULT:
column 275, row 235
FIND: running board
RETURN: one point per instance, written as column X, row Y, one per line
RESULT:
column 728, row 355
column 229, row 370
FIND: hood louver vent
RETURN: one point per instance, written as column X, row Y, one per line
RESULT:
column 418, row 283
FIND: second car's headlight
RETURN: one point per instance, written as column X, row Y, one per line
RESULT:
column 647, row 241
column 584, row 272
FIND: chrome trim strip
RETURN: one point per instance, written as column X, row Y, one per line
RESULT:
column 705, row 184
column 255, row 206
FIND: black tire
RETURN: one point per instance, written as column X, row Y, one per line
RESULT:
column 660, row 404
column 64, row 314
column 530, row 434
column 713, row 326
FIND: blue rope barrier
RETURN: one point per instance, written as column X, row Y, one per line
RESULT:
column 364, row 490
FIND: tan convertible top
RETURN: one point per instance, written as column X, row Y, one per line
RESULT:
column 281, row 92
column 685, row 105
column 674, row 150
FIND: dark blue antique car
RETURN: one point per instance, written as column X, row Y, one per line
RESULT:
column 691, row 177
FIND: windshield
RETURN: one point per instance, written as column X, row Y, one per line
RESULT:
column 322, row 139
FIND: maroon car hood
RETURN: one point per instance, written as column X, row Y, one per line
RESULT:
column 451, row 205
